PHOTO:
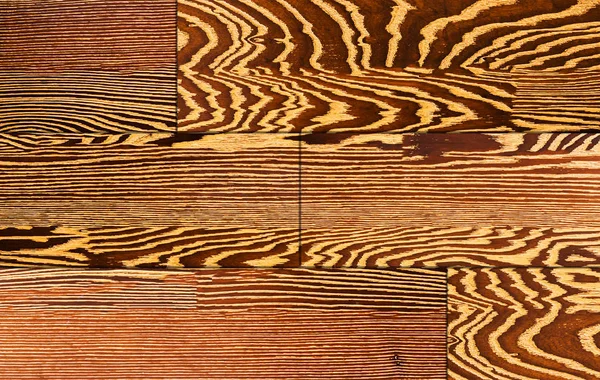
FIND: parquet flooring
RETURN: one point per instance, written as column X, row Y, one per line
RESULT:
column 253, row 189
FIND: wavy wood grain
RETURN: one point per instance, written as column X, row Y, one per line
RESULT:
column 87, row 66
column 225, row 324
column 87, row 102
column 433, row 246
column 380, row 200
column 390, row 65
column 528, row 323
column 149, row 200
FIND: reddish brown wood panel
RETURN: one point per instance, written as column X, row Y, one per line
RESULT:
column 222, row 324
column 382, row 200
column 149, row 200
column 527, row 323
column 388, row 65
column 58, row 35
column 87, row 66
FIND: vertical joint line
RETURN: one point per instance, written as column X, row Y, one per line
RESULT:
column 300, row 199
column 447, row 320
column 176, row 68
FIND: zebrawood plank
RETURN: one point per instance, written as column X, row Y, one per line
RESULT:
column 378, row 200
column 527, row 323
column 222, row 324
column 87, row 102
column 149, row 200
column 87, row 66
column 389, row 65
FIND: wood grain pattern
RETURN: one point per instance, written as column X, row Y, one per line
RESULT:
column 58, row 35
column 149, row 200
column 390, row 65
column 379, row 200
column 222, row 324
column 87, row 102
column 87, row 66
column 528, row 323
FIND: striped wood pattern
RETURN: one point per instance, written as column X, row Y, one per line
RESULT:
column 87, row 102
column 380, row 200
column 528, row 323
column 222, row 324
column 388, row 65
column 149, row 200
column 87, row 66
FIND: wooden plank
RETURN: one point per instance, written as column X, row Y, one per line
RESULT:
column 380, row 200
column 149, row 200
column 87, row 66
column 389, row 65
column 222, row 324
column 87, row 102
column 527, row 323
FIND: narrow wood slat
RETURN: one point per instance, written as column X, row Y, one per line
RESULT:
column 450, row 200
column 389, row 65
column 149, row 200
column 527, row 323
column 88, row 66
column 222, row 324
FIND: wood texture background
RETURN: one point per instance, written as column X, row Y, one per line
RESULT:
column 149, row 200
column 222, row 324
column 528, row 323
column 87, row 66
column 389, row 65
column 100, row 169
column 377, row 200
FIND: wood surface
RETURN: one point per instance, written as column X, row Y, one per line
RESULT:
column 377, row 200
column 87, row 66
column 527, row 323
column 87, row 102
column 149, row 200
column 222, row 324
column 389, row 65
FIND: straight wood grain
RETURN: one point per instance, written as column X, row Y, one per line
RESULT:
column 87, row 66
column 387, row 66
column 222, row 324
column 382, row 200
column 149, row 200
column 64, row 35
column 527, row 323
